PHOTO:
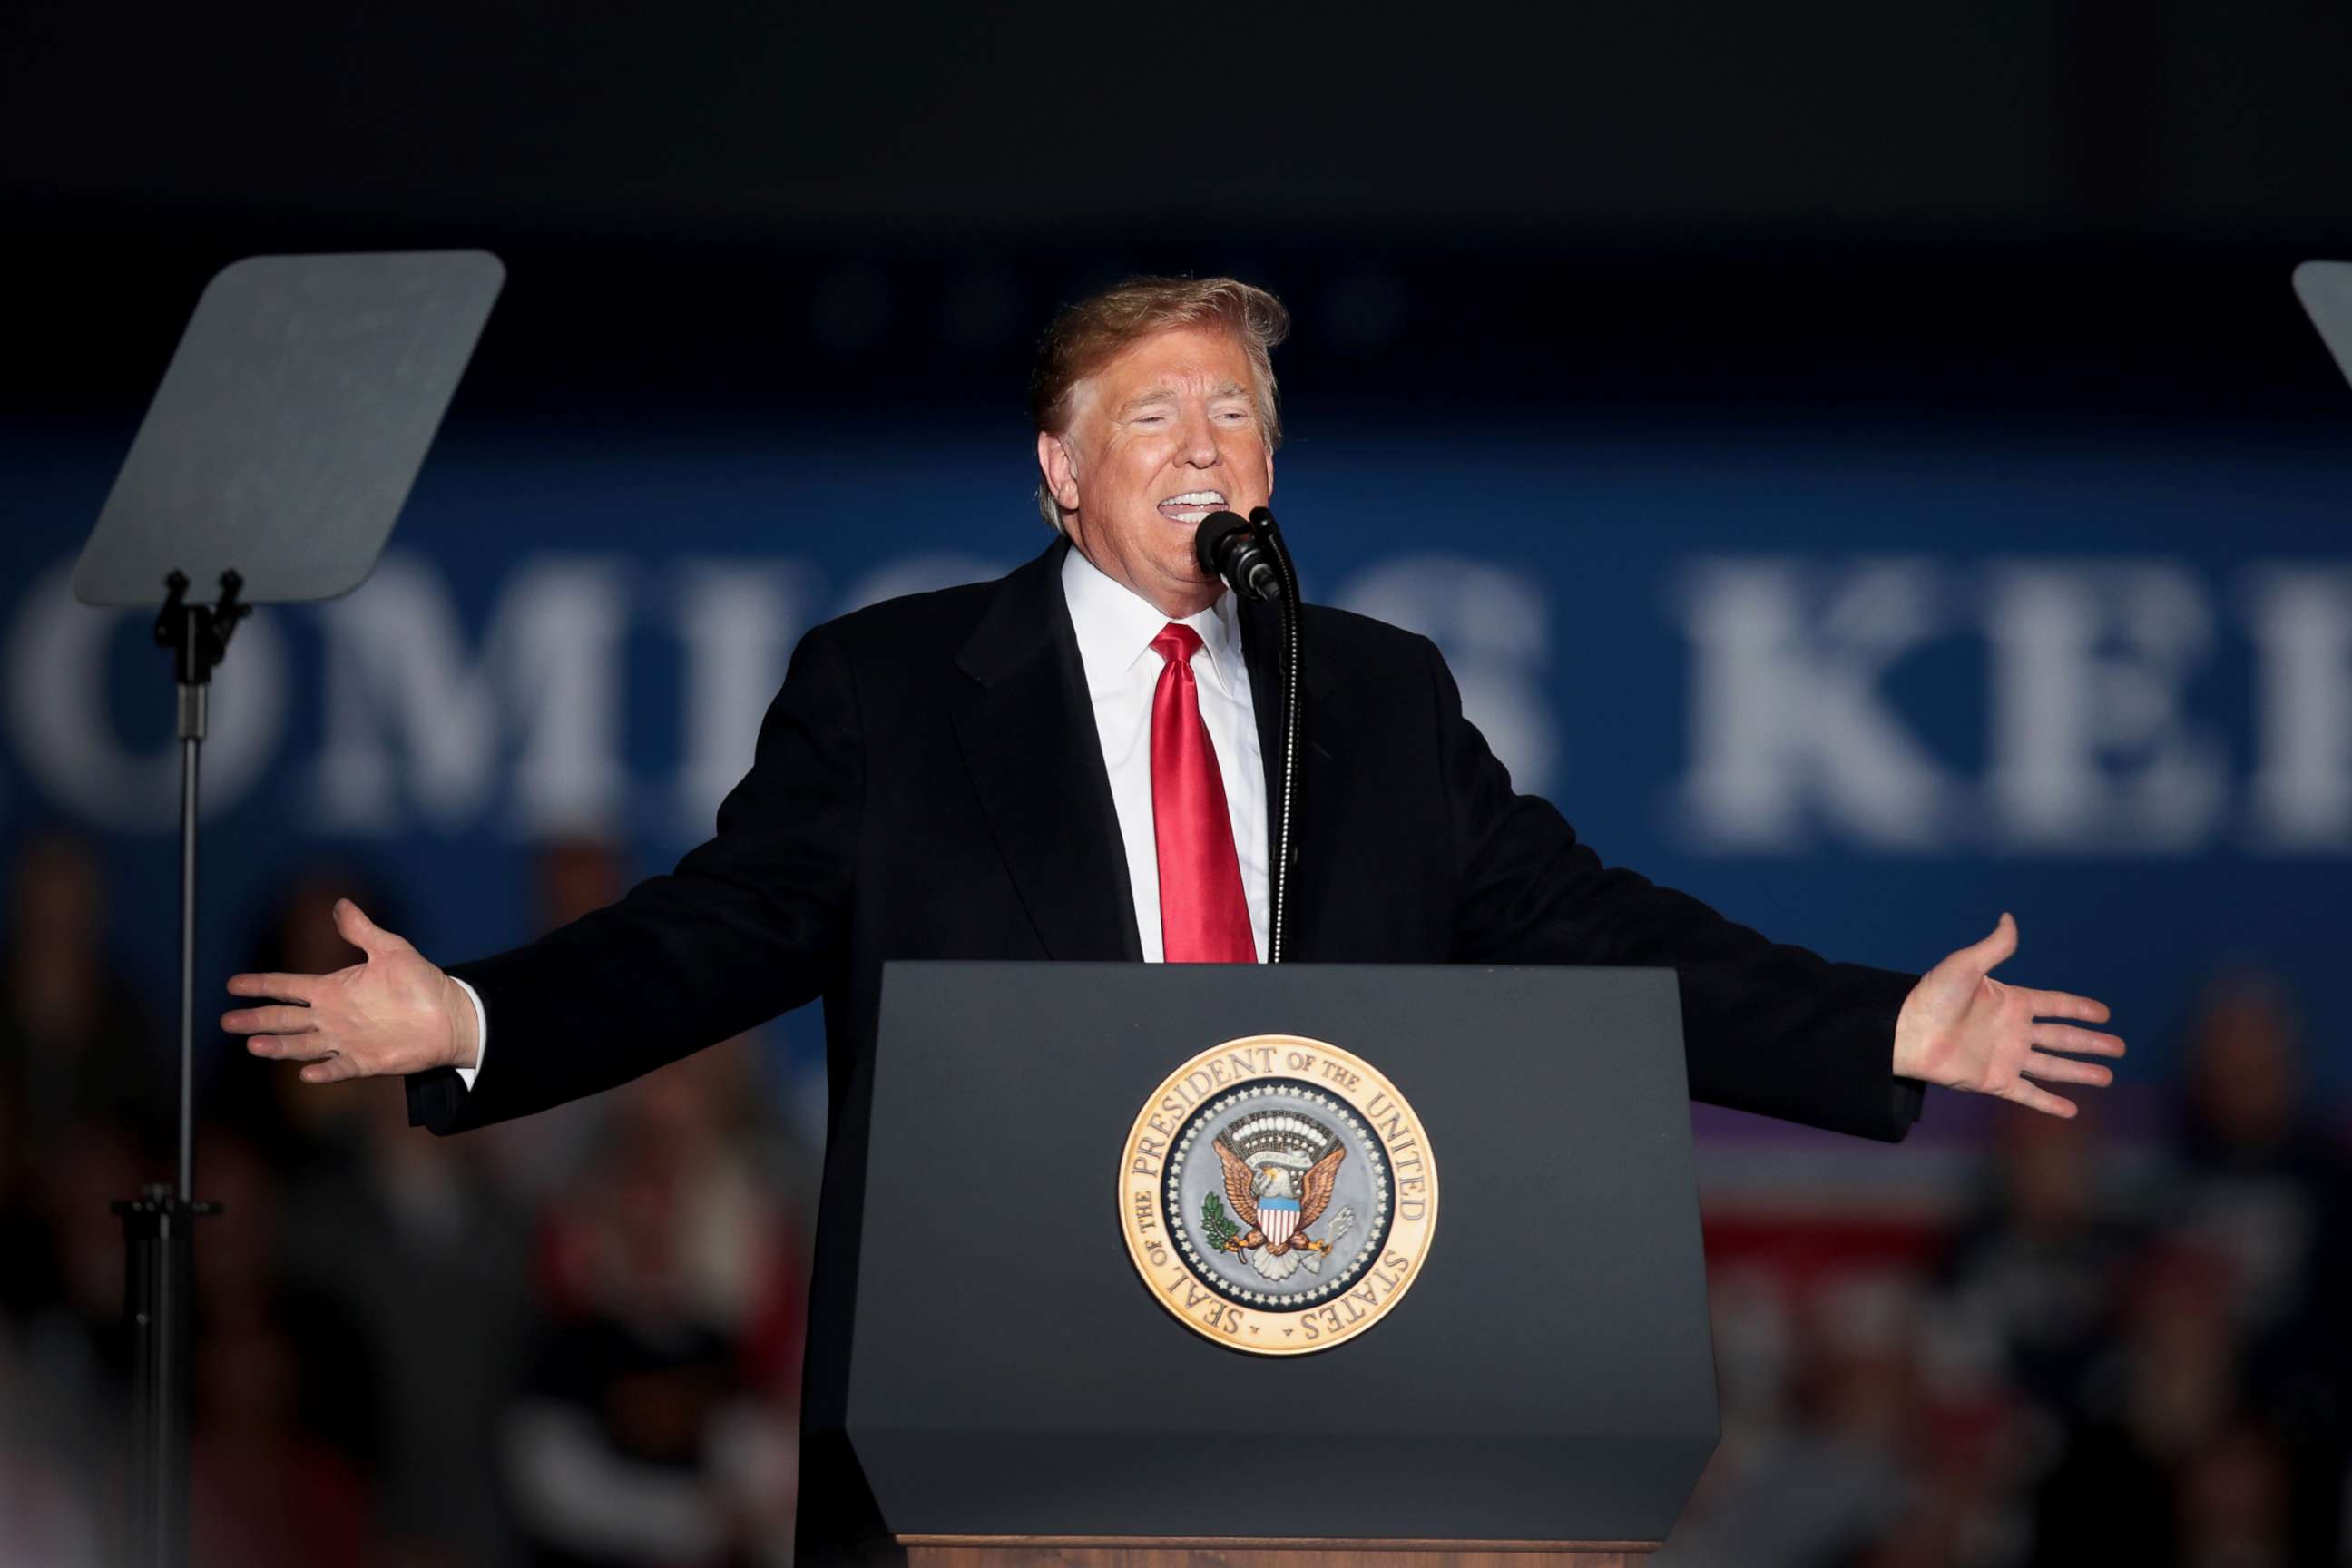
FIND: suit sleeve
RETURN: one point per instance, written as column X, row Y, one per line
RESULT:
column 752, row 923
column 1766, row 1028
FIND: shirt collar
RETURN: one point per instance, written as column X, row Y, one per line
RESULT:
column 1115, row 625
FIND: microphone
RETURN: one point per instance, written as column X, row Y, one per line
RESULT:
column 1229, row 548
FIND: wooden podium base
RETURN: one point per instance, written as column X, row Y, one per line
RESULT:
column 1210, row 1552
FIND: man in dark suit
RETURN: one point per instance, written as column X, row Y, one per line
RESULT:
column 1074, row 763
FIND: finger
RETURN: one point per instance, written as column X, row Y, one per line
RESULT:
column 2066, row 1069
column 334, row 1070
column 362, row 932
column 2023, row 1093
column 282, row 987
column 2066, row 1004
column 1995, row 949
column 2083, row 1042
column 270, row 1021
column 290, row 1047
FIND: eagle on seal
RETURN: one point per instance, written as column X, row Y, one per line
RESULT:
column 1276, row 1204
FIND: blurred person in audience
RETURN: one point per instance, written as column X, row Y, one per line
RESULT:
column 80, row 1064
column 87, row 1105
column 1971, row 1459
column 658, row 1424
column 1973, row 1449
column 75, row 1354
column 421, row 1245
column 2169, row 1386
column 2034, row 1270
column 282, row 1441
column 2262, row 1181
column 2234, row 1505
column 428, row 1245
column 1826, row 1476
column 76, row 1046
column 49, row 1510
column 433, row 1257
column 1750, row 1321
column 741, row 1179
column 2262, row 1184
column 576, row 875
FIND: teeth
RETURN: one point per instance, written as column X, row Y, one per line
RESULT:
column 1196, row 497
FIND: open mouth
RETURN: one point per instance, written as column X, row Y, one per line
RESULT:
column 1192, row 506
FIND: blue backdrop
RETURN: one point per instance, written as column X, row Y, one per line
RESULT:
column 1862, row 688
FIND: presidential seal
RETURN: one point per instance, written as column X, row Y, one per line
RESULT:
column 1277, row 1195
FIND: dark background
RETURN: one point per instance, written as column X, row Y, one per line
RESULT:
column 1688, row 206
column 1600, row 292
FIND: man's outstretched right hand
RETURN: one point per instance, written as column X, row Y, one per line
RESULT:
column 394, row 1013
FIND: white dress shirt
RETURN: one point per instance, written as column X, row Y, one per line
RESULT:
column 1115, row 626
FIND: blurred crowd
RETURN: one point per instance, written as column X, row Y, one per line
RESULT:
column 572, row 1339
column 2101, row 1359
column 575, row 1340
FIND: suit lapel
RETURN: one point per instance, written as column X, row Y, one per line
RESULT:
column 1028, row 735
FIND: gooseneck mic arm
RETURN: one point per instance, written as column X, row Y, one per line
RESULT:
column 1249, row 554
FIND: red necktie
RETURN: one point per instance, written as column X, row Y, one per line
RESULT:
column 1203, row 917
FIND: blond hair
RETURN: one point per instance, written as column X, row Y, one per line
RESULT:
column 1090, row 333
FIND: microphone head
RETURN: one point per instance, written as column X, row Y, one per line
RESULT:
column 1208, row 540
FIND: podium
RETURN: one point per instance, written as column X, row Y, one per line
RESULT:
column 1116, row 1267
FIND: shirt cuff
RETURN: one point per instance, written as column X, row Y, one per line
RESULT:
column 481, row 1034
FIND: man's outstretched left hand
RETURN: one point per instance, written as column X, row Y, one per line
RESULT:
column 1963, row 1029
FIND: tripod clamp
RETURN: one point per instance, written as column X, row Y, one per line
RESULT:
column 198, row 636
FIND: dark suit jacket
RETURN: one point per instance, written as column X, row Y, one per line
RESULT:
column 929, row 783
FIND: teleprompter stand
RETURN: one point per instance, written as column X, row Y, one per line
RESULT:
column 158, row 1228
column 271, row 464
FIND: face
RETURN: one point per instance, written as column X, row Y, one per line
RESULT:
column 1158, row 438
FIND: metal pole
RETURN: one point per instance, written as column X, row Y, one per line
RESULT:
column 159, row 1226
column 192, row 736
